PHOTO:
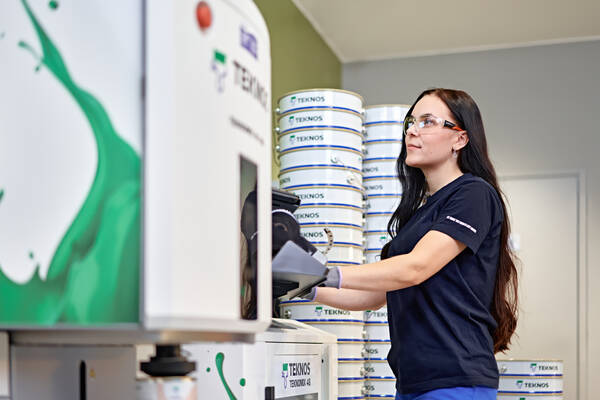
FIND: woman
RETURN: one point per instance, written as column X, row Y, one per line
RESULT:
column 448, row 276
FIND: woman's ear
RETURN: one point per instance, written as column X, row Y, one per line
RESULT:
column 462, row 140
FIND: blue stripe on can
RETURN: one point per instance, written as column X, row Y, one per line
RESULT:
column 330, row 223
column 299, row 128
column 391, row 121
column 320, row 107
column 330, row 204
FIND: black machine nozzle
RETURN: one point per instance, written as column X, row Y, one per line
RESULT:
column 168, row 361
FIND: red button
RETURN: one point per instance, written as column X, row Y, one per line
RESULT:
column 203, row 15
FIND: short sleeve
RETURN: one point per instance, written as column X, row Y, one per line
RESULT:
column 469, row 214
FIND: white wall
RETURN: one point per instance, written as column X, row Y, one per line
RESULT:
column 541, row 109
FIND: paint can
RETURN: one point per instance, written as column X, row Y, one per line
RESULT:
column 321, row 137
column 351, row 388
column 302, row 310
column 351, row 348
column 166, row 388
column 319, row 99
column 377, row 349
column 385, row 113
column 378, row 369
column 380, row 387
column 320, row 119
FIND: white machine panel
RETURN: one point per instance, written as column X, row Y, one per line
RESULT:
column 207, row 146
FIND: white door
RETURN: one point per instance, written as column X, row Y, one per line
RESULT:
column 544, row 214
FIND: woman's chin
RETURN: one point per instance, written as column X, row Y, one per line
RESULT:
column 412, row 162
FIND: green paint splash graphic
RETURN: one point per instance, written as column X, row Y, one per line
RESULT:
column 219, row 361
column 53, row 4
column 1, row 194
column 93, row 274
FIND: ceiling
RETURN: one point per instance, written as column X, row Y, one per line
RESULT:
column 358, row 30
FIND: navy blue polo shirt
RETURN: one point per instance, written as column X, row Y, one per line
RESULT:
column 441, row 330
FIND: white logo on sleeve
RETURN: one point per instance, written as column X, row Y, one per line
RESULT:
column 458, row 221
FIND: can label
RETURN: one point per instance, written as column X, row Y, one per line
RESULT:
column 172, row 388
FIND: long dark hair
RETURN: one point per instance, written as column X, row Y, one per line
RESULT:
column 473, row 158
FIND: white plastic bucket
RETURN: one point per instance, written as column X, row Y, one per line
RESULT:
column 328, row 192
column 382, row 148
column 381, row 113
column 329, row 212
column 350, row 388
column 320, row 98
column 380, row 315
column 351, row 349
column 343, row 252
column 372, row 256
column 320, row 119
column 299, row 156
column 382, row 185
column 377, row 330
column 351, row 368
column 379, row 167
column 343, row 233
column 531, row 384
column 376, row 240
column 341, row 263
column 378, row 349
column 380, row 386
column 377, row 221
column 382, row 203
column 309, row 174
column 342, row 329
column 313, row 137
column 379, row 369
column 302, row 310
column 530, row 367
column 376, row 131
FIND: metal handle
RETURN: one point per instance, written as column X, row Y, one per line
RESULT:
column 329, row 235
column 352, row 180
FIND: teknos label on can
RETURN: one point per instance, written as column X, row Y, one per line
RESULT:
column 168, row 388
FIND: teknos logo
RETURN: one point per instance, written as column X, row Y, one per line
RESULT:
column 296, row 374
column 219, row 67
column 533, row 385
column 284, row 374
column 293, row 100
column 248, row 41
column 533, row 367
column 318, row 310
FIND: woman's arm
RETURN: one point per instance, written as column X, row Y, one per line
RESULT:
column 350, row 299
column 431, row 254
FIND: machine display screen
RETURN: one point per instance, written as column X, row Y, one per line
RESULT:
column 248, row 238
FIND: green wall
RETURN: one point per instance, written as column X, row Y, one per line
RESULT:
column 300, row 59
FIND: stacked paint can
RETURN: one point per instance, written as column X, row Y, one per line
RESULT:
column 320, row 133
column 380, row 383
column 320, row 154
column 383, row 141
column 530, row 379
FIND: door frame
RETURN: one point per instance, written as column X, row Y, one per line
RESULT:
column 583, row 380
